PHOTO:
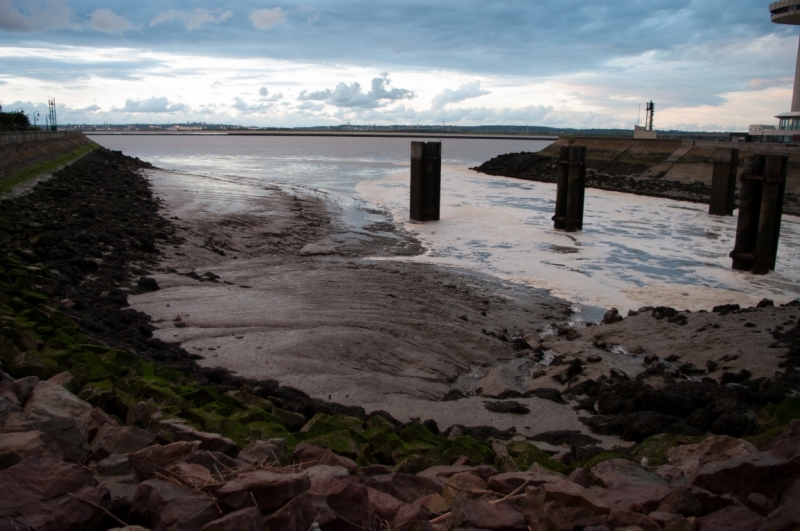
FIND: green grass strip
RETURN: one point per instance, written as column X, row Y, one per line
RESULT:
column 9, row 183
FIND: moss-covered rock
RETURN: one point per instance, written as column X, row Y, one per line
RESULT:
column 434, row 453
column 656, row 446
column 469, row 447
column 605, row 456
column 414, row 464
column 293, row 421
column 525, row 455
column 773, row 420
column 343, row 442
column 321, row 424
column 33, row 363
column 384, row 441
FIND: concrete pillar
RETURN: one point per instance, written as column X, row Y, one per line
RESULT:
column 562, row 176
column 426, row 180
column 723, row 182
column 760, row 211
column 570, row 188
column 796, row 94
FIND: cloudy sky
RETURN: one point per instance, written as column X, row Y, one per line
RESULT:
column 708, row 64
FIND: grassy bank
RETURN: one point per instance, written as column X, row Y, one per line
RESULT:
column 7, row 184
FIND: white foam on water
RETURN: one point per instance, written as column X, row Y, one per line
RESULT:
column 633, row 250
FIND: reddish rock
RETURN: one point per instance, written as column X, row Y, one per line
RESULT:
column 319, row 473
column 573, row 495
column 384, row 505
column 269, row 489
column 730, row 519
column 373, row 470
column 249, row 519
column 36, row 492
column 556, row 517
column 49, row 400
column 627, row 519
column 713, row 502
column 259, row 452
column 405, row 487
column 194, row 475
column 508, row 482
column 215, row 460
column 24, row 387
column 122, row 490
column 67, row 381
column 348, row 499
column 581, row 477
column 767, row 473
column 759, row 503
column 626, row 484
column 93, row 420
column 792, row 431
column 114, row 465
column 211, row 442
column 16, row 446
column 682, row 501
column 670, row 474
column 484, row 471
column 663, row 518
column 478, row 514
column 69, row 434
column 120, row 440
column 680, row 524
column 787, row 516
column 691, row 457
column 411, row 517
column 303, row 511
column 162, row 506
column 307, row 455
column 148, row 461
column 434, row 504
column 139, row 415
column 463, row 484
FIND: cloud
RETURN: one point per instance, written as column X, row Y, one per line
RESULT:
column 266, row 18
column 255, row 108
column 90, row 108
column 264, row 93
column 463, row 92
column 192, row 19
column 152, row 105
column 109, row 22
column 346, row 96
column 309, row 13
column 52, row 15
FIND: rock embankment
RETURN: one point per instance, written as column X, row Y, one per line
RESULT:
column 66, row 464
column 630, row 178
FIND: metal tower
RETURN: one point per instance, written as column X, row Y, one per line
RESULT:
column 52, row 123
column 788, row 12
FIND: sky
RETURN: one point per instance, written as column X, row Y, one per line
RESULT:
column 708, row 65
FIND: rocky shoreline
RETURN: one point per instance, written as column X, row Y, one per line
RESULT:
column 128, row 424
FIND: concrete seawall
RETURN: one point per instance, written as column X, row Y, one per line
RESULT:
column 24, row 156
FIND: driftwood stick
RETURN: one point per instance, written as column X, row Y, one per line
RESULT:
column 93, row 504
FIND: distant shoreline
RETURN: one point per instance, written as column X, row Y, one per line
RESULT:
column 325, row 133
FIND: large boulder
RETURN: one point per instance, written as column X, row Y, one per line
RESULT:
column 49, row 400
column 259, row 452
column 307, row 455
column 683, row 502
column 16, row 446
column 479, row 514
column 384, row 505
column 212, row 442
column 690, row 457
column 162, row 506
column 627, row 483
column 730, row 519
column 249, row 519
column 93, row 420
column 270, row 490
column 148, row 461
column 627, row 519
column 405, row 487
column 573, row 495
column 49, row 495
column 411, row 517
column 120, row 440
column 787, row 516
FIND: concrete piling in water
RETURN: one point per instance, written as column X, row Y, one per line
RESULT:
column 426, row 180
column 570, row 188
column 760, row 211
column 723, row 182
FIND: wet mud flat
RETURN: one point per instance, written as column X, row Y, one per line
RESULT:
column 271, row 293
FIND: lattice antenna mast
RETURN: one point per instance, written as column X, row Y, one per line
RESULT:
column 648, row 117
column 51, row 115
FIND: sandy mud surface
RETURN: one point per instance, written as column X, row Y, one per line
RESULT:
column 270, row 284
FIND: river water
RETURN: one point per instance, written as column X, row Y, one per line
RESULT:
column 633, row 251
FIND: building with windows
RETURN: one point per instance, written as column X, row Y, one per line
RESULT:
column 785, row 12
